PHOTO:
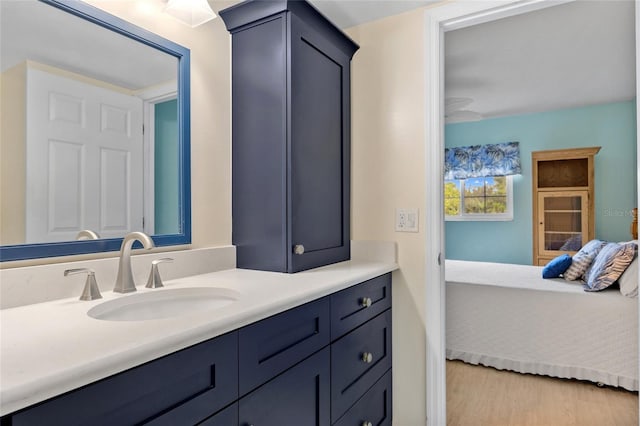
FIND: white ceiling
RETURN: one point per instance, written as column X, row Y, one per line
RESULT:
column 579, row 53
column 349, row 13
column 575, row 54
column 34, row 30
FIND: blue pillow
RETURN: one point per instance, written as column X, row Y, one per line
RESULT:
column 557, row 266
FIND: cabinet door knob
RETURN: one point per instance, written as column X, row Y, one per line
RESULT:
column 365, row 302
column 298, row 249
column 366, row 423
column 367, row 357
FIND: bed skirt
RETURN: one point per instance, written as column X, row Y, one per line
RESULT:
column 527, row 367
column 509, row 318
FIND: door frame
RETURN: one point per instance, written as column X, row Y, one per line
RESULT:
column 151, row 97
column 437, row 20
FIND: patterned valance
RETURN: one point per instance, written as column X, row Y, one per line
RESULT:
column 465, row 162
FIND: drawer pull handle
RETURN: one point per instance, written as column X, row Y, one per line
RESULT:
column 365, row 302
column 367, row 357
column 298, row 249
column 366, row 423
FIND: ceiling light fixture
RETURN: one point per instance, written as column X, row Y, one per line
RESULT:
column 190, row 12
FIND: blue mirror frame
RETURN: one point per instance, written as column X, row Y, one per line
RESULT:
column 120, row 26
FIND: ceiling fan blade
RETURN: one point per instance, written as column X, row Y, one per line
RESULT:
column 463, row 116
column 455, row 104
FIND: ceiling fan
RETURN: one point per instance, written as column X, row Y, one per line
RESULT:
column 454, row 111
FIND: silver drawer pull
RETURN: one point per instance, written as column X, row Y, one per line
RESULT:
column 365, row 423
column 298, row 249
column 365, row 302
column 367, row 357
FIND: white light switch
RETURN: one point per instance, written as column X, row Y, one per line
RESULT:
column 406, row 220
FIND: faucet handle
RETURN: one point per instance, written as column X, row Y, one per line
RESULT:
column 91, row 290
column 154, row 280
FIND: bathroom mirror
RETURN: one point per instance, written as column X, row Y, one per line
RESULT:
column 94, row 132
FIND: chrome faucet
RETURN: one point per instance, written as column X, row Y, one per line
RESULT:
column 124, row 280
column 87, row 234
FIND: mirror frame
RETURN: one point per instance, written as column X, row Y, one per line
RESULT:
column 120, row 26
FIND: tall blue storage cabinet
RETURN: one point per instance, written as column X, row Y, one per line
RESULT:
column 291, row 136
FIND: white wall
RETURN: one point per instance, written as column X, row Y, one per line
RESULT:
column 387, row 106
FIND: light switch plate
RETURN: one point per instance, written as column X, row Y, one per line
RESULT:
column 406, row 220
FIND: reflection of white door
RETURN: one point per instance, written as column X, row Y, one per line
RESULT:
column 84, row 159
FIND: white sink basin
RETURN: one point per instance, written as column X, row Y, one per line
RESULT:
column 164, row 303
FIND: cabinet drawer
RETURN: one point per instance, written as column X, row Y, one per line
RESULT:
column 226, row 417
column 348, row 308
column 270, row 346
column 191, row 384
column 351, row 373
column 374, row 407
column 299, row 396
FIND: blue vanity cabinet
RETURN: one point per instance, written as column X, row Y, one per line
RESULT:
column 358, row 304
column 291, row 136
column 374, row 407
column 299, row 396
column 226, row 417
column 326, row 362
column 271, row 346
column 185, row 387
column 361, row 353
column 358, row 360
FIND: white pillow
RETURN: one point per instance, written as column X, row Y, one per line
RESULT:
column 629, row 280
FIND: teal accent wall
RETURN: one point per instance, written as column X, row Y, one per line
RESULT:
column 611, row 126
column 166, row 185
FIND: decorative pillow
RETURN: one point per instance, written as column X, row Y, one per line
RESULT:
column 572, row 244
column 609, row 264
column 629, row 280
column 556, row 267
column 582, row 259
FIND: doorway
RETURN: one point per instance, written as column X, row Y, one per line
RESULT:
column 438, row 21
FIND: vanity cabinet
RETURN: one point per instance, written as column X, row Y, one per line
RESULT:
column 358, row 360
column 322, row 363
column 374, row 407
column 299, row 396
column 182, row 388
column 291, row 136
column 270, row 346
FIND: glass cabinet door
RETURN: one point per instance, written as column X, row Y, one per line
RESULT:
column 563, row 224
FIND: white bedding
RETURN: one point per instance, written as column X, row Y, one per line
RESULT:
column 508, row 317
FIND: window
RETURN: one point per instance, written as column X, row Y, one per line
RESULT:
column 482, row 198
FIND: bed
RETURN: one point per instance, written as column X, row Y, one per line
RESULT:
column 508, row 317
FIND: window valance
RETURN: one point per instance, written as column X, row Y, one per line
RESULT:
column 502, row 159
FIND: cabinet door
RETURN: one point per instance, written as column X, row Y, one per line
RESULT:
column 184, row 388
column 373, row 408
column 358, row 304
column 563, row 222
column 319, row 150
column 358, row 360
column 299, row 396
column 269, row 347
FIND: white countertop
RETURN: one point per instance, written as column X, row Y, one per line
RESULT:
column 49, row 348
